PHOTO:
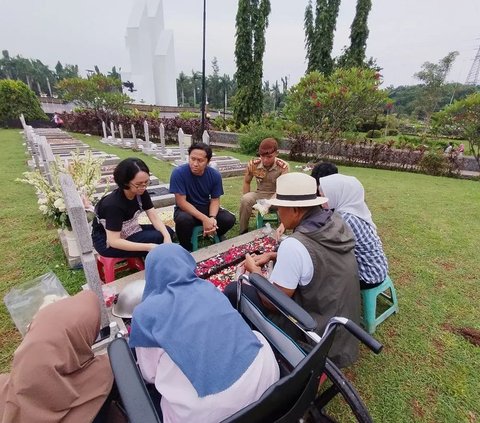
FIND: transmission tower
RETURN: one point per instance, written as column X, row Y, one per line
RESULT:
column 473, row 75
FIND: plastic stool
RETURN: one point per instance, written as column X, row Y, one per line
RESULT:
column 197, row 231
column 107, row 266
column 369, row 300
column 269, row 217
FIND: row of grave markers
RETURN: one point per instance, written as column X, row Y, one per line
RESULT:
column 161, row 152
column 45, row 158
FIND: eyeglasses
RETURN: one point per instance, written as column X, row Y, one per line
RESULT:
column 138, row 186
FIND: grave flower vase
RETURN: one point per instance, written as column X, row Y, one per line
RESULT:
column 72, row 243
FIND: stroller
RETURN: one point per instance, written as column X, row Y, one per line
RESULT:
column 295, row 396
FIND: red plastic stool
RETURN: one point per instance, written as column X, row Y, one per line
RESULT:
column 107, row 266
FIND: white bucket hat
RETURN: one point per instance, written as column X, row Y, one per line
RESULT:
column 296, row 190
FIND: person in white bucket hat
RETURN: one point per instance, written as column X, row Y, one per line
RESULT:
column 316, row 265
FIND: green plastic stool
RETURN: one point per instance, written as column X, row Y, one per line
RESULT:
column 198, row 231
column 369, row 300
column 269, row 217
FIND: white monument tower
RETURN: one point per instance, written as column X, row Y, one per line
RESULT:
column 152, row 60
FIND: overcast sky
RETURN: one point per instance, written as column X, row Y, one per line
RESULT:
column 403, row 34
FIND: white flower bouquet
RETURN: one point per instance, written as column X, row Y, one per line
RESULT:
column 86, row 174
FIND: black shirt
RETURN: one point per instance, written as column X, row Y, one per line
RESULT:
column 116, row 208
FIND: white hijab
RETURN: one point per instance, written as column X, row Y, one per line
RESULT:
column 346, row 194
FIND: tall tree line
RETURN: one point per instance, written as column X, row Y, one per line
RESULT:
column 219, row 88
column 38, row 76
column 319, row 29
column 320, row 24
column 251, row 23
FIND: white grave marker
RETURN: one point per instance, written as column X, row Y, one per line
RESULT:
column 104, row 127
column 162, row 137
column 181, row 145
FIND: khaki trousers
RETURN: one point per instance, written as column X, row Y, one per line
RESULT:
column 246, row 206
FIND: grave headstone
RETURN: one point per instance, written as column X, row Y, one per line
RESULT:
column 162, row 137
column 134, row 136
column 112, row 129
column 206, row 137
column 120, row 130
column 104, row 127
column 78, row 219
column 146, row 132
column 181, row 145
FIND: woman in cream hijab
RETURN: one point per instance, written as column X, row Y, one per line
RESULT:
column 55, row 376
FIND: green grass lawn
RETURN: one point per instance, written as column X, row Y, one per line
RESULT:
column 429, row 227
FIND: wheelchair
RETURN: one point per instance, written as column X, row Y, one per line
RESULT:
column 295, row 397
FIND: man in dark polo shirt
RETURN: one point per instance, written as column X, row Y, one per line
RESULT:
column 197, row 188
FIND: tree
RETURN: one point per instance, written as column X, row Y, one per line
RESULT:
column 31, row 71
column 433, row 77
column 407, row 97
column 319, row 32
column 98, row 92
column 114, row 74
column 215, row 87
column 462, row 118
column 182, row 81
column 196, row 76
column 67, row 71
column 16, row 98
column 327, row 105
column 251, row 23
column 355, row 54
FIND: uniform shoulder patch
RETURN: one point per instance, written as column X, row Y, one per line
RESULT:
column 256, row 161
column 281, row 163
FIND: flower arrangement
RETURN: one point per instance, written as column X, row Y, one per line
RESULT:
column 85, row 170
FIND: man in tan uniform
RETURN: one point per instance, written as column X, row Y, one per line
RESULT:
column 265, row 170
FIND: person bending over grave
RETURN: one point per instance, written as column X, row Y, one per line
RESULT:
column 55, row 377
column 116, row 231
column 347, row 196
column 197, row 188
column 315, row 266
column 265, row 169
column 193, row 346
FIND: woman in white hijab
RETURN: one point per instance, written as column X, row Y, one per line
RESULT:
column 346, row 196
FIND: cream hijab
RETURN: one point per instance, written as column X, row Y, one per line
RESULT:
column 55, row 376
column 346, row 194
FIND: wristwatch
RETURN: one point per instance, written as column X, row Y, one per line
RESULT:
column 213, row 217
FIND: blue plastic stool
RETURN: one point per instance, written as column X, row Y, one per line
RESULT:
column 269, row 217
column 198, row 231
column 369, row 300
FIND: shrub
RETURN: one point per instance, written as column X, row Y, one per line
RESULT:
column 433, row 163
column 392, row 132
column 90, row 121
column 223, row 124
column 16, row 98
column 188, row 115
column 251, row 139
column 374, row 133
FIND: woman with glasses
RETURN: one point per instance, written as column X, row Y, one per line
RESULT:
column 116, row 231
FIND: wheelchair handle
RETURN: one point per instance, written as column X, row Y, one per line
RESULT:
column 364, row 336
column 283, row 302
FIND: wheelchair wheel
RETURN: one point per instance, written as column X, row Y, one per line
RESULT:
column 339, row 385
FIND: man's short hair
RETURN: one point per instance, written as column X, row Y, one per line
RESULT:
column 268, row 146
column 323, row 169
column 201, row 146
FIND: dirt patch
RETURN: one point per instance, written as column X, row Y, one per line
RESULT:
column 417, row 409
column 470, row 334
column 446, row 265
